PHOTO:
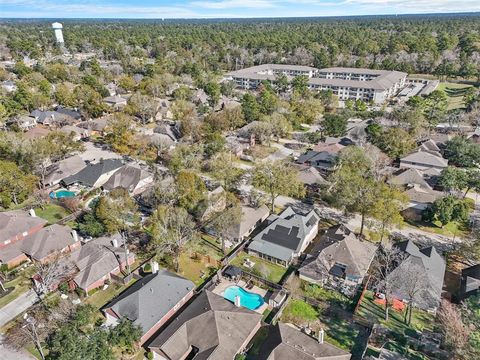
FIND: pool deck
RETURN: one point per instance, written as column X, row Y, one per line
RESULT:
column 220, row 288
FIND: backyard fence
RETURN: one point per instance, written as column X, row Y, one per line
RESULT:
column 362, row 295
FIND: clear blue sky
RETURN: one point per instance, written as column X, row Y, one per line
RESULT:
column 224, row 8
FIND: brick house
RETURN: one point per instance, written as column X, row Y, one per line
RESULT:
column 16, row 226
column 150, row 302
column 98, row 260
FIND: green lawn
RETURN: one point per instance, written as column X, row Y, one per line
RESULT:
column 300, row 313
column 374, row 313
column 21, row 284
column 455, row 93
column 102, row 297
column 452, row 229
column 338, row 325
column 263, row 268
column 52, row 213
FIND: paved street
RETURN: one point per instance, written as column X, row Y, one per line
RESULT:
column 16, row 307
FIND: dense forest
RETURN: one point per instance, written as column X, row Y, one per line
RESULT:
column 444, row 45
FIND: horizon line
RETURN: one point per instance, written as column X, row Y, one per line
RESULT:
column 477, row 13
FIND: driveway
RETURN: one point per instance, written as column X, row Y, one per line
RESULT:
column 8, row 354
column 17, row 306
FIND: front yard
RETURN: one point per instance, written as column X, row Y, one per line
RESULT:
column 101, row 297
column 263, row 268
column 20, row 284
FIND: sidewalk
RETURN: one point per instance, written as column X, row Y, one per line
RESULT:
column 17, row 306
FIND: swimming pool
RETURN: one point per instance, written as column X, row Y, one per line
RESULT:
column 62, row 194
column 249, row 300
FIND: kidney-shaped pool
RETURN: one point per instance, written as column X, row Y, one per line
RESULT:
column 249, row 300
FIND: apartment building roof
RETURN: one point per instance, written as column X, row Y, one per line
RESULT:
column 384, row 78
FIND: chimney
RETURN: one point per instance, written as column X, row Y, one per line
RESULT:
column 74, row 235
column 321, row 334
column 114, row 242
column 32, row 213
column 155, row 267
column 237, row 301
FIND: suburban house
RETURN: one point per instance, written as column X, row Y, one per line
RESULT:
column 340, row 260
column 94, row 175
column 215, row 201
column 151, row 301
column 78, row 132
column 284, row 342
column 310, row 177
column 418, row 186
column 98, row 260
column 470, row 282
column 164, row 112
column 16, row 226
column 36, row 133
column 431, row 270
column 24, row 122
column 59, row 117
column 115, row 101
column 130, row 177
column 321, row 160
column 9, row 86
column 62, row 169
column 95, row 126
column 423, row 159
column 286, row 237
column 251, row 218
column 48, row 242
column 210, row 327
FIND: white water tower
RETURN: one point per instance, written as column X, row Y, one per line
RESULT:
column 57, row 27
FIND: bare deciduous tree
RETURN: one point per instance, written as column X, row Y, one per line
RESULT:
column 51, row 274
column 387, row 259
column 456, row 333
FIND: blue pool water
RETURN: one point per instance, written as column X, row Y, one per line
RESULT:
column 247, row 299
column 62, row 194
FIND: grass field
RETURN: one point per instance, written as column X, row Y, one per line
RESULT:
column 374, row 313
column 52, row 213
column 266, row 269
column 455, row 94
column 452, row 229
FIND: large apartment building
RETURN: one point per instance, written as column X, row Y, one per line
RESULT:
column 347, row 83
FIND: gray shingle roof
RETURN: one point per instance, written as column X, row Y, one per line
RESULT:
column 96, row 259
column 286, row 343
column 250, row 216
column 13, row 223
column 89, row 175
column 127, row 177
column 426, row 158
column 286, row 234
column 211, row 324
column 64, row 168
column 432, row 267
column 48, row 240
column 147, row 301
column 339, row 246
